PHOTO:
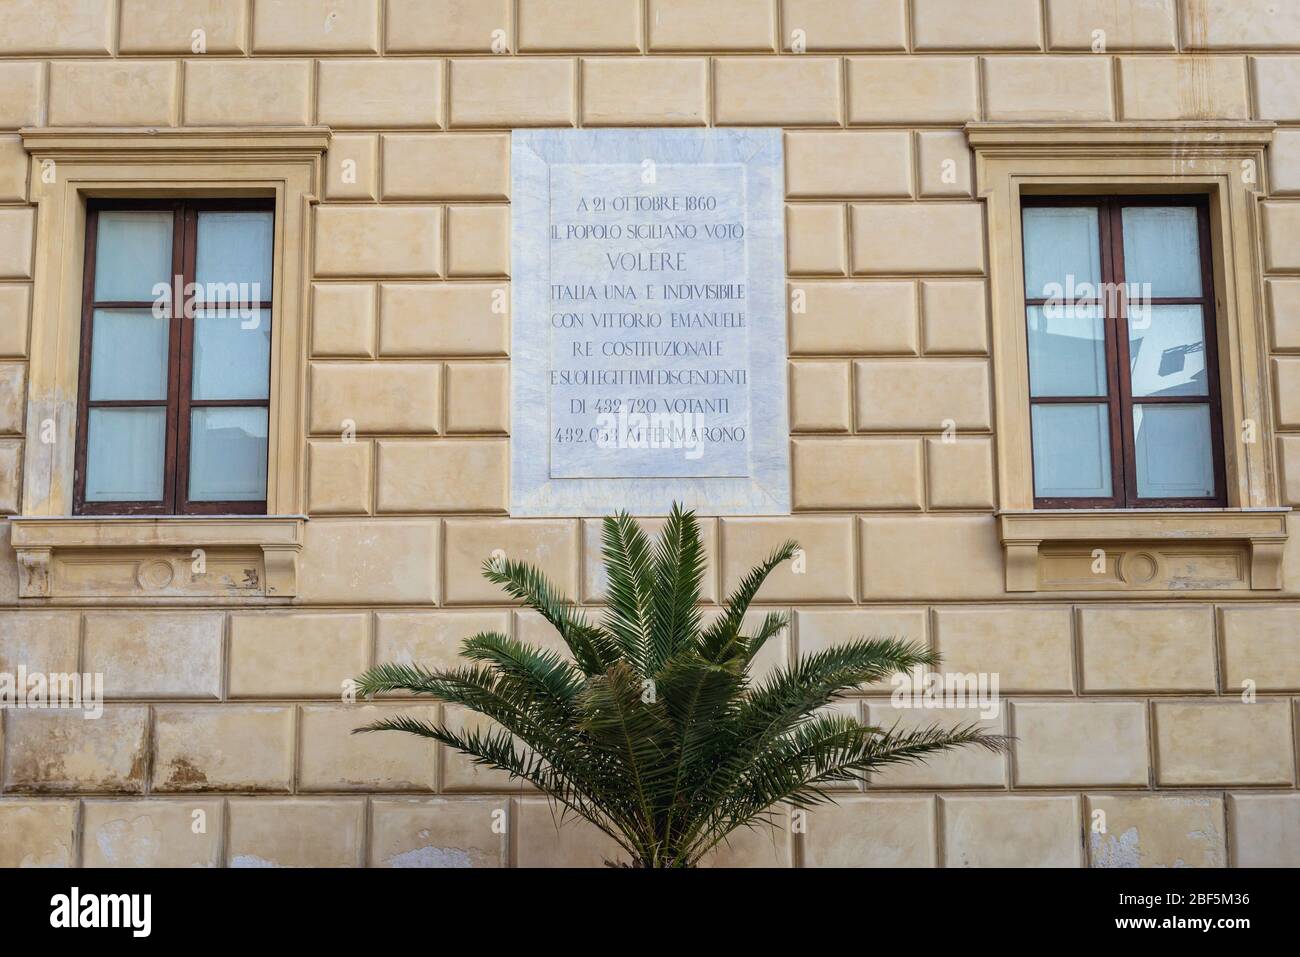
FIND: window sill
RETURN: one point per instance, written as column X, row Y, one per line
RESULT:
column 1172, row 550
column 197, row 557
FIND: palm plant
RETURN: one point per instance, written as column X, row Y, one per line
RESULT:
column 655, row 730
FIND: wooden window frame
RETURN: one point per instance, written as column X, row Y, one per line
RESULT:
column 179, row 400
column 1119, row 397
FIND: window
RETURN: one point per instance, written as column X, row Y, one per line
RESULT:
column 174, row 382
column 127, row 543
column 1157, row 548
column 1123, row 371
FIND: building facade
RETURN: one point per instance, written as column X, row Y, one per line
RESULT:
column 988, row 212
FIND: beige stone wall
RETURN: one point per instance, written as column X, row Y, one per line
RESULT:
column 1127, row 702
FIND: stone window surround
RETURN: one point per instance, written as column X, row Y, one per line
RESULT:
column 1225, row 161
column 70, row 166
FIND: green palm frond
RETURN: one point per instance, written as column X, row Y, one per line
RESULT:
column 656, row 731
column 773, row 623
column 545, row 671
column 679, row 564
column 629, row 568
column 395, row 676
column 720, row 639
column 592, row 649
column 829, row 749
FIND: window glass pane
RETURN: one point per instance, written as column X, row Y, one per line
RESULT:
column 124, row 455
column 233, row 261
column 1062, row 247
column 133, row 253
column 1166, row 347
column 227, row 455
column 1067, row 351
column 232, row 355
column 1071, row 451
column 1162, row 247
column 128, row 355
column 1175, row 457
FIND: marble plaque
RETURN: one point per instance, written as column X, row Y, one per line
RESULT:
column 648, row 347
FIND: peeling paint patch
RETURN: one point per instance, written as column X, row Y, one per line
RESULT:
column 431, row 857
column 1182, row 831
column 1109, row 850
column 185, row 774
column 1212, row 841
column 127, row 843
column 251, row 860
